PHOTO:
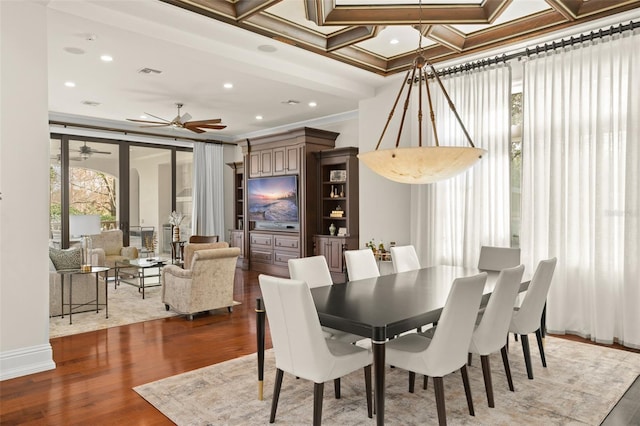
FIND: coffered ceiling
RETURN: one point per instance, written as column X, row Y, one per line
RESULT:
column 380, row 35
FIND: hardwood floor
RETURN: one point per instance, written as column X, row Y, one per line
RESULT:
column 96, row 371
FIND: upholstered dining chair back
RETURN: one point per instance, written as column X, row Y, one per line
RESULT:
column 489, row 336
column 361, row 264
column 526, row 319
column 404, row 259
column 449, row 347
column 498, row 258
column 312, row 270
column 203, row 239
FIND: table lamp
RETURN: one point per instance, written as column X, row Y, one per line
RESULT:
column 84, row 226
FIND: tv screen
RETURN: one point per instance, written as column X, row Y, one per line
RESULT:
column 273, row 199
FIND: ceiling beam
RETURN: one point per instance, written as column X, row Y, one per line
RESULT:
column 246, row 8
column 447, row 36
column 351, row 36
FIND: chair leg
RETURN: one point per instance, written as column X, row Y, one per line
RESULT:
column 469, row 358
column 438, row 386
column 276, row 394
column 367, row 386
column 507, row 369
column 230, row 309
column 467, row 389
column 336, row 387
column 527, row 355
column 515, row 337
column 539, row 337
column 412, row 381
column 488, row 384
column 318, row 390
column 425, row 382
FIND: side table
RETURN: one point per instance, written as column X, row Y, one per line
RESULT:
column 70, row 273
column 177, row 252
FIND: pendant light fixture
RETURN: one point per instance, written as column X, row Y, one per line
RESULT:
column 421, row 164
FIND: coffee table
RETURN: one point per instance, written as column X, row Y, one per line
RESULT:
column 70, row 273
column 142, row 272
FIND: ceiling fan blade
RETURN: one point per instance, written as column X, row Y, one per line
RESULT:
column 195, row 129
column 159, row 118
column 147, row 121
column 185, row 117
column 157, row 125
column 93, row 151
column 202, row 122
column 208, row 126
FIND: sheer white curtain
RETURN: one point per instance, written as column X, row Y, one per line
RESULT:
column 208, row 190
column 451, row 219
column 581, row 185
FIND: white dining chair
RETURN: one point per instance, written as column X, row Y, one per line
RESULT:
column 314, row 270
column 404, row 259
column 361, row 264
column 447, row 351
column 498, row 258
column 491, row 333
column 300, row 348
column 526, row 318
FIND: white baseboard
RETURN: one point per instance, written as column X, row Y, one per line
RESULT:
column 23, row 361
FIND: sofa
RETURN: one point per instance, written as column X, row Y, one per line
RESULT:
column 84, row 285
column 207, row 283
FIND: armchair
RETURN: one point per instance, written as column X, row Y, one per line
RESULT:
column 111, row 242
column 189, row 249
column 206, row 285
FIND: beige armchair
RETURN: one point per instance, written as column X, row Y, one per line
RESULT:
column 111, row 242
column 189, row 249
column 206, row 285
column 84, row 286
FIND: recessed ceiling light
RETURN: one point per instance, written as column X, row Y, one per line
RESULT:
column 258, row 117
column 312, row 104
column 228, row 85
column 106, row 58
column 144, row 117
column 74, row 50
column 70, row 84
column 267, row 48
column 394, row 41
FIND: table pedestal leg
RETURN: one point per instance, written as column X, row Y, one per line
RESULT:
column 260, row 314
column 378, row 349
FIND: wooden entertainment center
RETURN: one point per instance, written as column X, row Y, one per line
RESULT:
column 309, row 155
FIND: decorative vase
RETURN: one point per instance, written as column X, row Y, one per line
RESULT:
column 176, row 233
column 332, row 229
column 342, row 191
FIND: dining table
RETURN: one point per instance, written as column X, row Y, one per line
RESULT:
column 382, row 307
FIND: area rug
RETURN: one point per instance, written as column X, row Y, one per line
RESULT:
column 580, row 386
column 126, row 306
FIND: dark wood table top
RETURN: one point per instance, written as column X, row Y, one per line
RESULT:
column 391, row 304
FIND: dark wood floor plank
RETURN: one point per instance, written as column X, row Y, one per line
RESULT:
column 96, row 371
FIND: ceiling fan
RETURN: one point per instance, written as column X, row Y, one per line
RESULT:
column 86, row 151
column 182, row 121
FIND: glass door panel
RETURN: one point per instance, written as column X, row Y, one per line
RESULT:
column 149, row 198
column 55, row 194
column 184, row 182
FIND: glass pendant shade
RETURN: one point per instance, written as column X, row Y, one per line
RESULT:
column 419, row 165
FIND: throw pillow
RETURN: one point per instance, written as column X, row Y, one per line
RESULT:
column 65, row 258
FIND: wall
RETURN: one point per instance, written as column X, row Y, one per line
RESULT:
column 24, row 276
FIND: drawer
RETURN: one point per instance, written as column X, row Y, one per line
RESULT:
column 261, row 239
column 261, row 256
column 292, row 243
column 282, row 257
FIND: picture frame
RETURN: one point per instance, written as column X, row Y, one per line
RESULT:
column 342, row 232
column 338, row 176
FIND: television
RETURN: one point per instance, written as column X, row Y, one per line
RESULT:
column 273, row 201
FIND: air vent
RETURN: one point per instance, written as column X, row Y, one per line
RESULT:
column 91, row 103
column 148, row 71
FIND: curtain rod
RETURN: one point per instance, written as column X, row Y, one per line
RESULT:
column 573, row 40
column 137, row 132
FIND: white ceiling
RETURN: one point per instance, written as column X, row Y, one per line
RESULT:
column 197, row 55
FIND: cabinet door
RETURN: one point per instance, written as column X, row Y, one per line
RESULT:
column 334, row 257
column 292, row 162
column 254, row 164
column 237, row 240
column 266, row 158
column 279, row 161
